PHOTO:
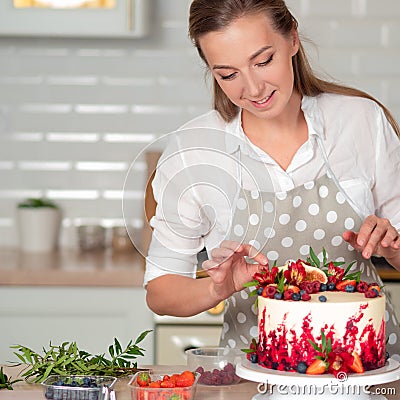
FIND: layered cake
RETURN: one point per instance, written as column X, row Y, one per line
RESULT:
column 318, row 320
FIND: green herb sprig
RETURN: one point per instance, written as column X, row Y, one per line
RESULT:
column 324, row 350
column 68, row 359
column 5, row 381
column 314, row 261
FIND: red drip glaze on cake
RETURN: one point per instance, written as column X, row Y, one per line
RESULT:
column 274, row 353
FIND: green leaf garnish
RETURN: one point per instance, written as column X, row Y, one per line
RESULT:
column 68, row 359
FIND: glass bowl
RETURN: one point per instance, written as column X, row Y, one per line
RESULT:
column 216, row 365
column 76, row 387
column 160, row 393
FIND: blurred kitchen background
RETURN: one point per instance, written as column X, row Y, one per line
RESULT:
column 82, row 101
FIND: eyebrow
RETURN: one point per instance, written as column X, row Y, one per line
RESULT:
column 252, row 57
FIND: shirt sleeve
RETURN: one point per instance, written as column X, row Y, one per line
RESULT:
column 386, row 191
column 178, row 224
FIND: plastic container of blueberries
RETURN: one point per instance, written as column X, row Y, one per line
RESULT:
column 53, row 390
column 216, row 365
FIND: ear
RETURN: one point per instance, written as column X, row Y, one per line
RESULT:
column 294, row 41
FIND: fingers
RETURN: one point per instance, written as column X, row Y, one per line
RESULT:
column 256, row 255
column 209, row 264
column 351, row 238
column 391, row 238
column 220, row 254
column 375, row 234
column 228, row 248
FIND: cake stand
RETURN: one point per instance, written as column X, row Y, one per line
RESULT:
column 280, row 385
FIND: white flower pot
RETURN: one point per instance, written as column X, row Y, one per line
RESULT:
column 39, row 229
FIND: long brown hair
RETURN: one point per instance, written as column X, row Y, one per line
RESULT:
column 215, row 15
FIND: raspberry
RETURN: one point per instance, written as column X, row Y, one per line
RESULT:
column 362, row 287
column 287, row 295
column 302, row 285
column 305, row 297
column 270, row 291
column 309, row 287
column 226, row 379
column 370, row 294
column 316, row 286
column 200, row 370
column 230, row 368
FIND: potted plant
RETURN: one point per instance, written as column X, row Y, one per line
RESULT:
column 39, row 223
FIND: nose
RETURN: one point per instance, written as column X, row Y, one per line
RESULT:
column 253, row 85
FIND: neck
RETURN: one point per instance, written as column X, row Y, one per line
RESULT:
column 285, row 125
column 280, row 137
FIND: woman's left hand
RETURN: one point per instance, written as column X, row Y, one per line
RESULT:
column 376, row 236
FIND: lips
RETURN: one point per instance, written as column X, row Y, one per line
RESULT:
column 264, row 101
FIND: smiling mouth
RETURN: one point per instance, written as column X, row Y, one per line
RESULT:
column 265, row 99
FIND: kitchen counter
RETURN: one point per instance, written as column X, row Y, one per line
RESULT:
column 69, row 267
column 385, row 270
column 242, row 391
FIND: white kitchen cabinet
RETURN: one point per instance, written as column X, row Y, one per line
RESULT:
column 173, row 340
column 91, row 316
column 393, row 292
column 125, row 18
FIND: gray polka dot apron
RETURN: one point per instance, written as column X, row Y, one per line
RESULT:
column 283, row 226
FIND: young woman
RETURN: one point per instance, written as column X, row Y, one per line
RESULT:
column 302, row 163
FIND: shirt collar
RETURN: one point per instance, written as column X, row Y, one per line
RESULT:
column 237, row 138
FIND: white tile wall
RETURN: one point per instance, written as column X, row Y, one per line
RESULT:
column 75, row 113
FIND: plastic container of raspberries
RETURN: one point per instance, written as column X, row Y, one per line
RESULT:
column 76, row 387
column 172, row 386
column 216, row 365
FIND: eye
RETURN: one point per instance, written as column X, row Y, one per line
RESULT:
column 266, row 62
column 228, row 77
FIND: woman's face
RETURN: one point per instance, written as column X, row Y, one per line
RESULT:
column 252, row 63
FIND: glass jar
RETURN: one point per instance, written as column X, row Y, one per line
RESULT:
column 91, row 237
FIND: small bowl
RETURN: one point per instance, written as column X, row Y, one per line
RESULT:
column 55, row 387
column 216, row 365
column 150, row 393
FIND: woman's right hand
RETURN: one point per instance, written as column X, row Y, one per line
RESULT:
column 229, row 270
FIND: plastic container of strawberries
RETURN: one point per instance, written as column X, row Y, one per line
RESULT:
column 161, row 393
column 216, row 365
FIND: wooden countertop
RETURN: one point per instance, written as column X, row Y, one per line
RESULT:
column 69, row 267
column 385, row 270
column 242, row 391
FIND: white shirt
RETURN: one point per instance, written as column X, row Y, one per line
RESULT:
column 206, row 161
